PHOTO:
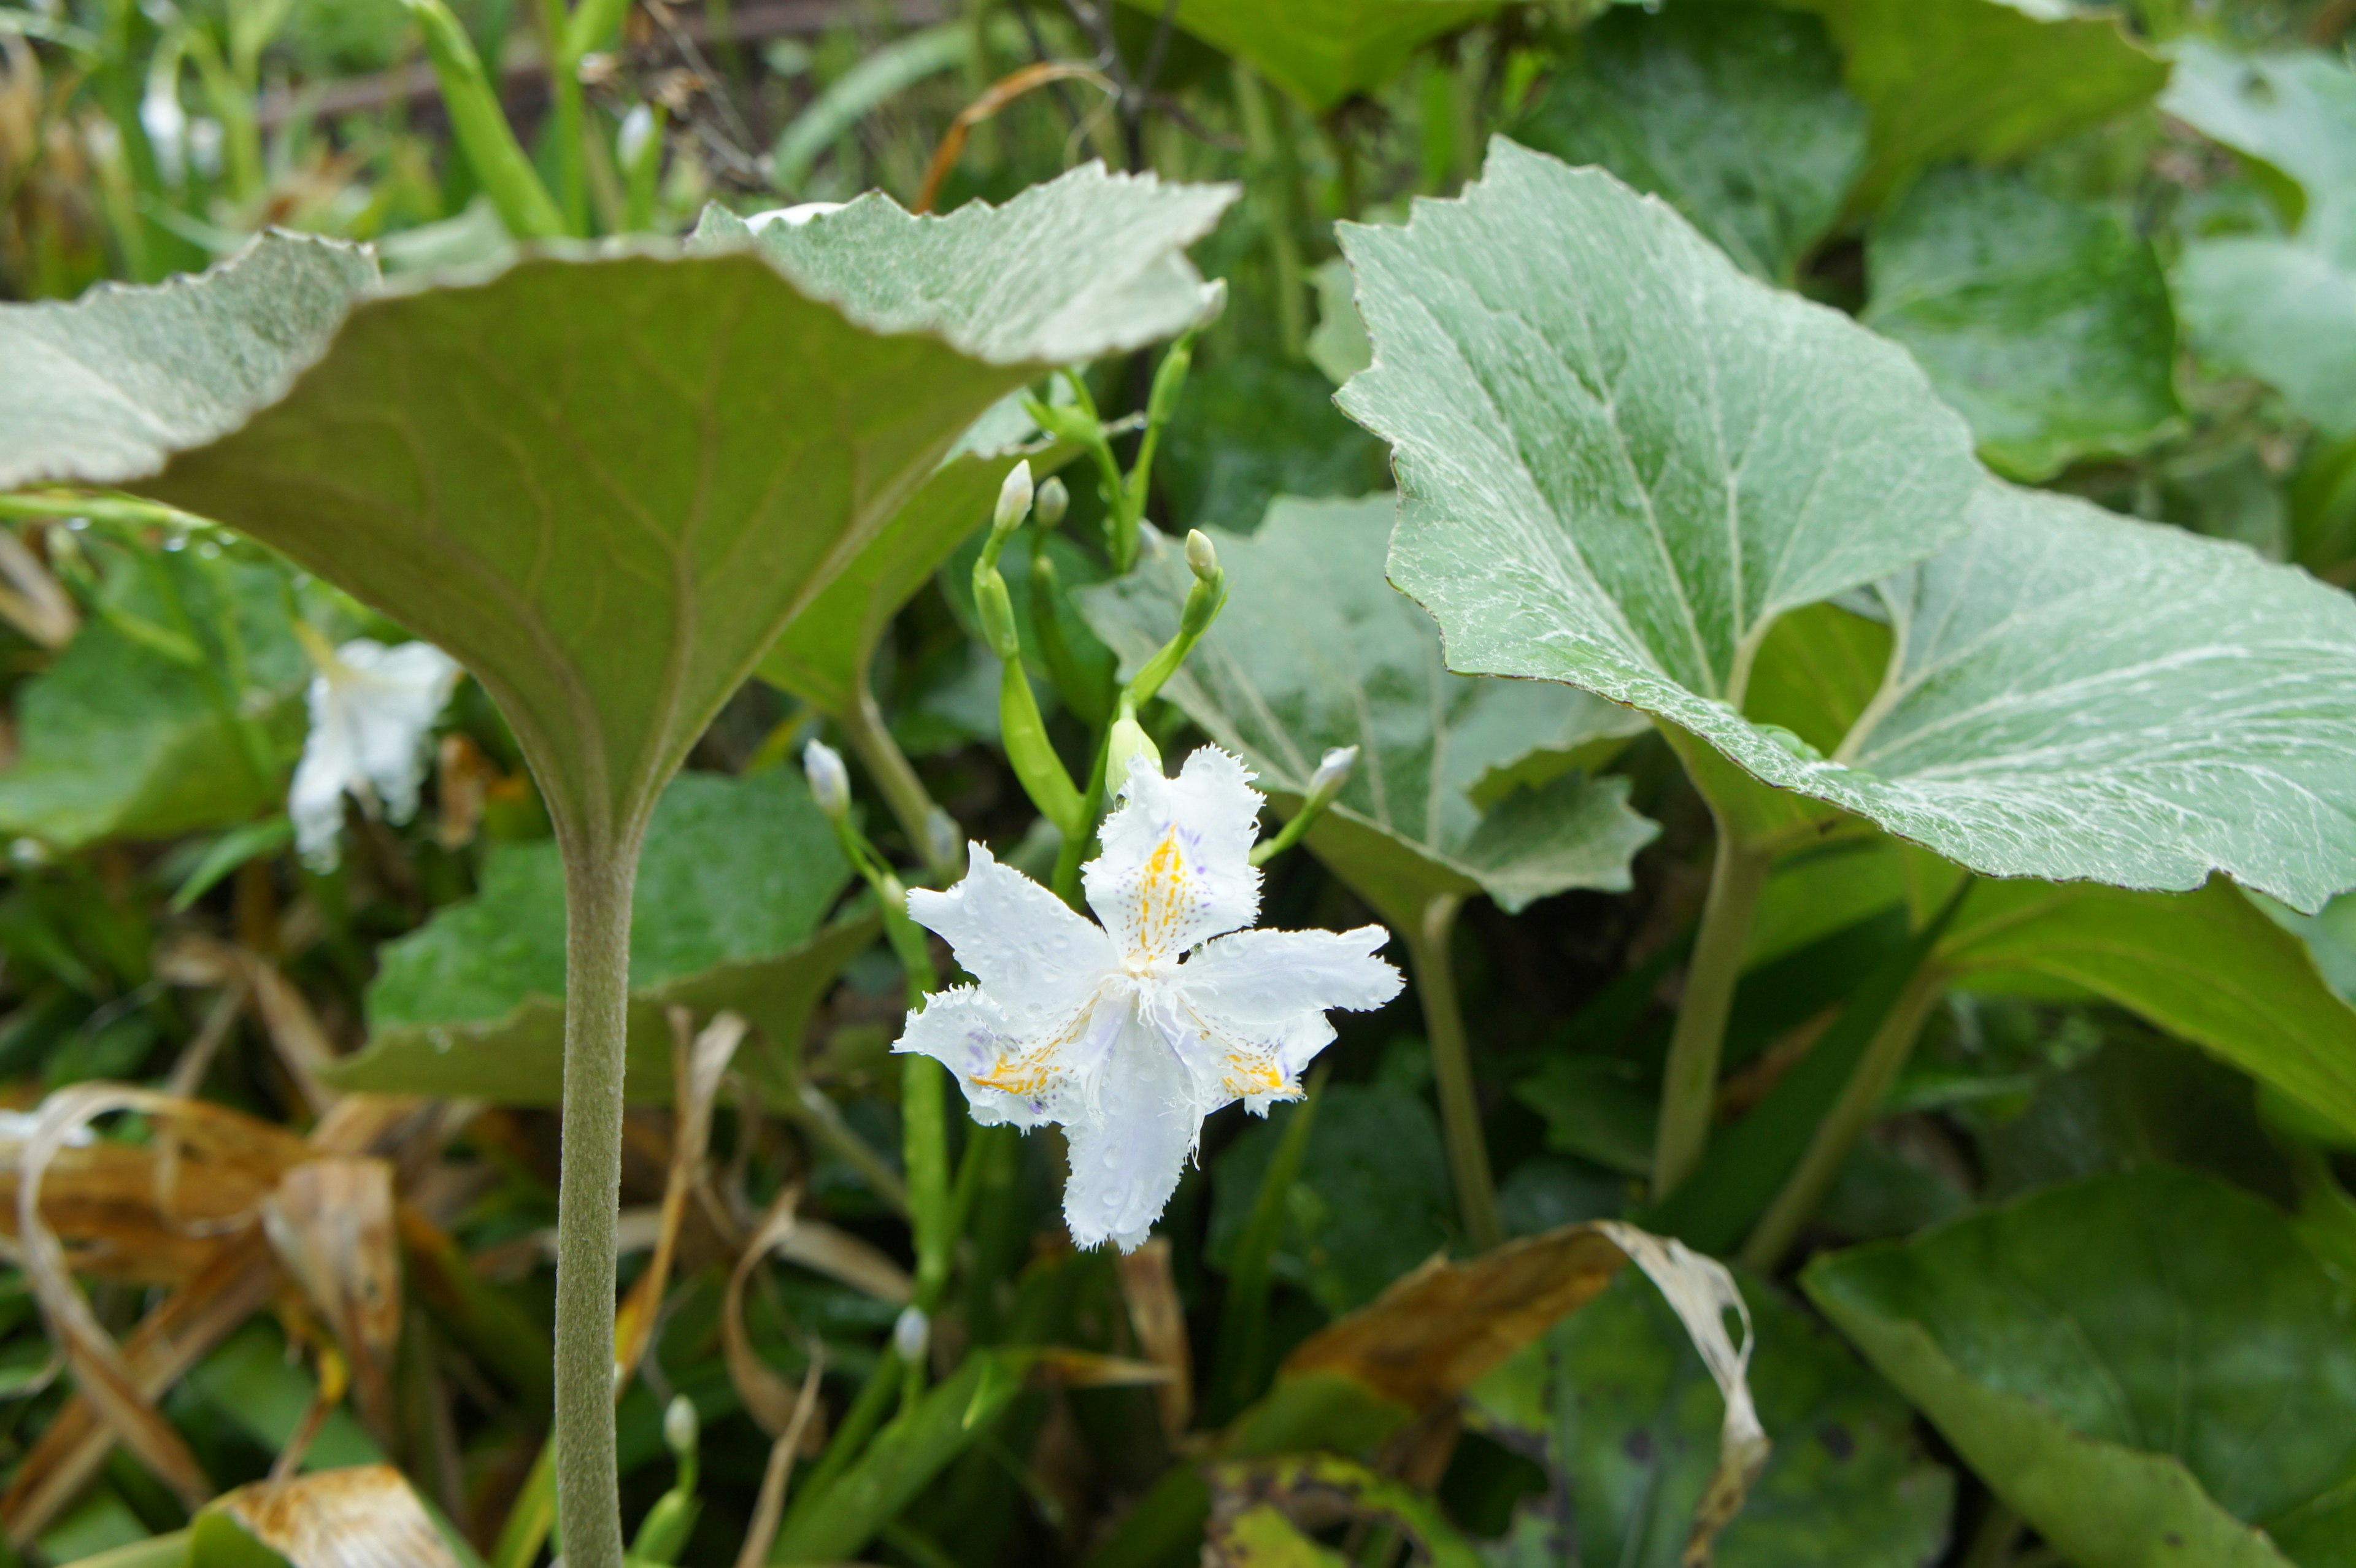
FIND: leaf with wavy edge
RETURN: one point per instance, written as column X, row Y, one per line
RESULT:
column 732, row 898
column 1315, row 650
column 606, row 484
column 1621, row 462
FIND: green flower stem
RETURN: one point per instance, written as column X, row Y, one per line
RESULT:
column 599, row 881
column 1074, row 850
column 811, row 1110
column 120, row 511
column 1428, row 945
column 1837, row 1135
column 912, row 805
column 1241, row 1371
column 480, row 125
column 1689, row 1093
column 571, row 117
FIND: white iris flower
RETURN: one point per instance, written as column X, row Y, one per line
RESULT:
column 371, row 707
column 1130, row 1033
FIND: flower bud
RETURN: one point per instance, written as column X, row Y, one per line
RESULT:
column 1013, row 498
column 1053, row 501
column 829, row 781
column 942, row 838
column 912, row 1334
column 638, row 133
column 995, row 609
column 1202, row 556
column 1127, row 742
column 1169, row 380
column 679, row 1424
column 1331, row 773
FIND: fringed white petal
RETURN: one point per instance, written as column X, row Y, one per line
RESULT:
column 1038, row 960
column 1127, row 1154
column 1176, row 868
column 967, row 1032
column 371, row 713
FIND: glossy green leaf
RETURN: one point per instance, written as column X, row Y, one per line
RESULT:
column 1686, row 455
column 733, row 893
column 2282, row 309
column 1626, row 1420
column 2207, row 967
column 2151, row 1368
column 1986, row 79
column 1370, row 1203
column 828, row 646
column 1732, row 112
column 606, row 485
column 120, row 741
column 2045, row 323
column 1315, row 650
column 1323, row 51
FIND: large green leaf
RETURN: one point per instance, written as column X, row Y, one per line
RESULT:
column 1986, row 80
column 1254, row 426
column 1315, row 650
column 2282, row 309
column 732, row 898
column 1323, row 51
column 120, row 739
column 606, row 485
column 1732, row 111
column 2045, row 322
column 1626, row 1418
column 2151, row 1368
column 1621, row 461
column 828, row 646
column 2206, row 967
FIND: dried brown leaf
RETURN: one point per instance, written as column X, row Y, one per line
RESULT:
column 364, row 1517
column 331, row 1221
column 1436, row 1331
column 180, row 1332
column 698, row 1062
column 1150, row 1290
column 100, row 1372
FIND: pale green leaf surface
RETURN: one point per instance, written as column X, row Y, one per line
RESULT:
column 1621, row 461
column 1315, row 650
column 2280, row 311
column 732, row 891
column 828, row 646
column 1615, row 447
column 1984, row 79
column 2294, row 113
column 1323, row 51
column 606, row 485
column 2145, row 1367
column 1626, row 1418
column 119, row 741
column 105, row 388
column 1732, row 112
column 2045, row 323
column 2283, row 310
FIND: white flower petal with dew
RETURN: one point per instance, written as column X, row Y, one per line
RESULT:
column 1129, row 1034
column 371, row 707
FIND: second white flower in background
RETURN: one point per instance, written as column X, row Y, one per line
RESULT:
column 1129, row 1034
column 371, row 708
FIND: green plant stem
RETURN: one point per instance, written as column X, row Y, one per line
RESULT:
column 599, row 877
column 1272, row 158
column 1837, row 1135
column 1428, row 949
column 1075, row 846
column 1689, row 1089
column 1241, row 1371
column 912, row 805
column 571, row 117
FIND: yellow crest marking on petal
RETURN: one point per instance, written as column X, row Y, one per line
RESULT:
column 1165, row 892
